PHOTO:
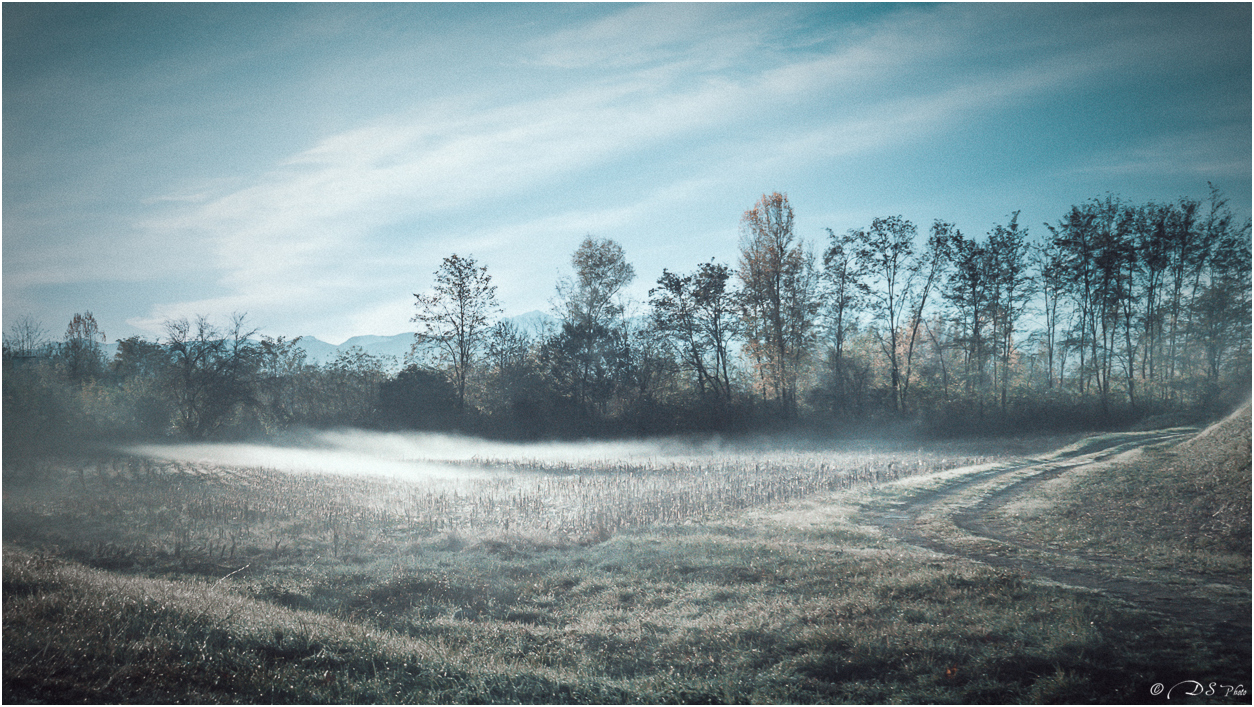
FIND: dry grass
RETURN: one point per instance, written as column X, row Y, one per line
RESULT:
column 1185, row 507
column 165, row 583
column 128, row 511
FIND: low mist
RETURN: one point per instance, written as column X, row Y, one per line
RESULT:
column 412, row 455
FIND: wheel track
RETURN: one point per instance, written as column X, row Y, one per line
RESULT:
column 1177, row 601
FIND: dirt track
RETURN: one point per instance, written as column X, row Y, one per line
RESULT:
column 956, row 519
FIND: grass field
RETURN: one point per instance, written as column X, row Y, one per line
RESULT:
column 737, row 576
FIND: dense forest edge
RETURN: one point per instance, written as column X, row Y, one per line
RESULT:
column 1118, row 315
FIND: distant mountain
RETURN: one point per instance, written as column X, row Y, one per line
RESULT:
column 534, row 323
column 316, row 350
column 396, row 347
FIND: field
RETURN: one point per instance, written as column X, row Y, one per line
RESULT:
column 442, row 572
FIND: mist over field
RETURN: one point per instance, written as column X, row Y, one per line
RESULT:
column 424, row 455
column 408, row 455
column 873, row 353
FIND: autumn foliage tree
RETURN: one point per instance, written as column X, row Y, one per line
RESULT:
column 779, row 297
column 1117, row 313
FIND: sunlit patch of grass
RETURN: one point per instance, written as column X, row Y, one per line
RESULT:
column 135, row 513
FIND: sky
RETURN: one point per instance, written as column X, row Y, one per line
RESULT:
column 311, row 165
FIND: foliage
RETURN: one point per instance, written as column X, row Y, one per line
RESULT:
column 695, row 314
column 589, row 359
column 779, row 295
column 211, row 374
column 454, row 317
column 79, row 354
column 417, row 398
column 1117, row 313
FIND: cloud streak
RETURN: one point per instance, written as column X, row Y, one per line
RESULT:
column 620, row 123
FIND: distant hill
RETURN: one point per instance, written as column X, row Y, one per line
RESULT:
column 317, row 350
column 533, row 323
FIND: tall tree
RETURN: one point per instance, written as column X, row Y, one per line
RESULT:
column 844, row 297
column 969, row 293
column 590, row 356
column 887, row 252
column 593, row 297
column 927, row 271
column 780, row 297
column 715, row 310
column 1075, row 240
column 454, row 317
column 1008, row 249
column 1219, row 310
column 212, row 373
column 281, row 366
column 1149, row 224
column 80, row 351
column 695, row 313
column 1047, row 260
column 1182, row 233
column 674, row 316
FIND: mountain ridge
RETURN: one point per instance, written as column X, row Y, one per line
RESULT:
column 534, row 323
column 397, row 346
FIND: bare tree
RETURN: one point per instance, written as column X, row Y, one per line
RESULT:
column 212, row 373
column 928, row 269
column 887, row 252
column 26, row 337
column 80, row 352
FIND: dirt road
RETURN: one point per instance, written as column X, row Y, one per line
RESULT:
column 956, row 517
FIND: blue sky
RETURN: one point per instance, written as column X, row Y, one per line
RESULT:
column 311, row 164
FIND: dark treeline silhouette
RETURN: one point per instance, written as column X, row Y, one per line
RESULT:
column 1116, row 314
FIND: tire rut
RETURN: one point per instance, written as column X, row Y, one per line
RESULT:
column 1173, row 601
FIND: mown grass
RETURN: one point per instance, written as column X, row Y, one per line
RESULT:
column 790, row 602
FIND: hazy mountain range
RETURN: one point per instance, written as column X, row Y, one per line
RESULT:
column 532, row 323
column 317, row 351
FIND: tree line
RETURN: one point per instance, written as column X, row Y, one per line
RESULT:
column 1115, row 313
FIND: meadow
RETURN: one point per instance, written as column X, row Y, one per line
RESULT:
column 647, row 573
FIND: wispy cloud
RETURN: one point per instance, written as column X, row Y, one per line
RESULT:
column 1203, row 154
column 602, row 125
column 653, row 34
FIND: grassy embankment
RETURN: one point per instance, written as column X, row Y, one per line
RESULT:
column 1183, row 508
column 168, row 585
